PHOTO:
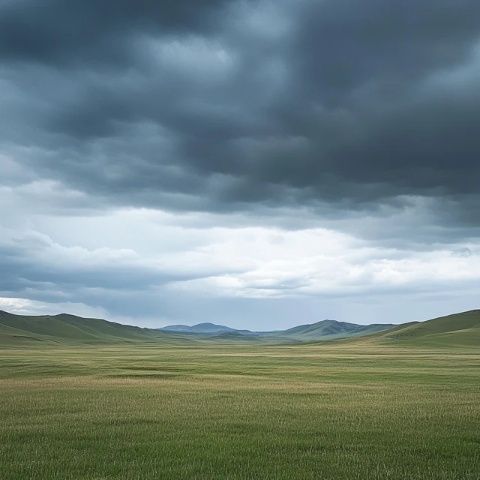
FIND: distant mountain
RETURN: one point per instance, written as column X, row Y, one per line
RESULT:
column 330, row 329
column 458, row 329
column 325, row 329
column 177, row 328
column 206, row 328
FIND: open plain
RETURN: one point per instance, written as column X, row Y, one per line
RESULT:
column 357, row 409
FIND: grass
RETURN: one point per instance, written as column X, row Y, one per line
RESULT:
column 67, row 329
column 22, row 330
column 345, row 410
column 457, row 329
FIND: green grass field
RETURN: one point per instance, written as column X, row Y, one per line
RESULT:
column 363, row 409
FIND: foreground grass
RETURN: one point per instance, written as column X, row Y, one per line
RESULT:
column 339, row 411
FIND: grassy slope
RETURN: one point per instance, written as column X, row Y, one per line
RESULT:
column 457, row 329
column 351, row 411
column 69, row 329
column 18, row 329
column 329, row 329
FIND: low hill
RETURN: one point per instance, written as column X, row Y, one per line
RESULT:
column 331, row 329
column 456, row 329
column 70, row 329
column 325, row 329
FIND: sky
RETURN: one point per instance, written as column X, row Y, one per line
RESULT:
column 255, row 163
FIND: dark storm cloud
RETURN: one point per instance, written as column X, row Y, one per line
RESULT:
column 195, row 106
column 58, row 32
column 346, row 44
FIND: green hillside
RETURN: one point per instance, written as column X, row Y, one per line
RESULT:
column 70, row 329
column 331, row 329
column 457, row 329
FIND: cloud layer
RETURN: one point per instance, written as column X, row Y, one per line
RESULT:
column 240, row 155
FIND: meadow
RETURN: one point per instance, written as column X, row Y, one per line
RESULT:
column 338, row 410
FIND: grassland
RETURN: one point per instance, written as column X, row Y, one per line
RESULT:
column 364, row 409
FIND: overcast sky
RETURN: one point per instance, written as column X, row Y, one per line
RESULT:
column 258, row 164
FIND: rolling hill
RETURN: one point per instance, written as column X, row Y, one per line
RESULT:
column 456, row 329
column 323, row 330
column 331, row 329
column 70, row 329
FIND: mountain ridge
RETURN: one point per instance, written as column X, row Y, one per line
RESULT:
column 204, row 327
column 455, row 329
column 312, row 331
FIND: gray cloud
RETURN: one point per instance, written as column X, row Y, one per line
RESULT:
column 360, row 117
column 56, row 33
column 167, row 105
